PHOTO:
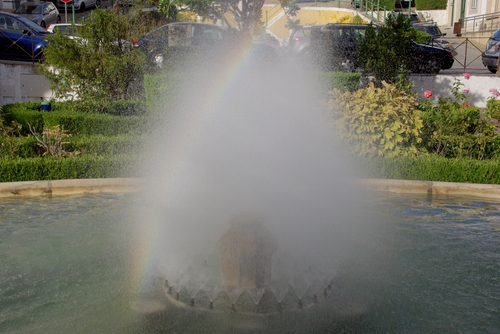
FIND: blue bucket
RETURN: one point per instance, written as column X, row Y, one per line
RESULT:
column 46, row 106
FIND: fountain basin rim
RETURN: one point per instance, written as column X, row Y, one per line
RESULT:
column 77, row 187
column 70, row 187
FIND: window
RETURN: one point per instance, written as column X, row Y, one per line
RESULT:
column 474, row 4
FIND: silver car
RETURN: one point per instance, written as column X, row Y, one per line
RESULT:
column 490, row 55
column 42, row 13
column 79, row 4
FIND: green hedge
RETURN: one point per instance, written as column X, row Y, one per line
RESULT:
column 343, row 81
column 105, row 145
column 433, row 168
column 80, row 167
column 77, row 123
column 96, row 124
column 431, row 4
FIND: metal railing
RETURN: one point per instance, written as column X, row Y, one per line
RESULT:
column 487, row 23
column 33, row 57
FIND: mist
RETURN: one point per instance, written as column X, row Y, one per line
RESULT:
column 255, row 139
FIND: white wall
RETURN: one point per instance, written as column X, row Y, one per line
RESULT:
column 21, row 83
column 438, row 16
column 479, row 86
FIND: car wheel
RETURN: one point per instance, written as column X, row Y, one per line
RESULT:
column 492, row 69
column 58, row 19
column 82, row 6
column 42, row 24
column 98, row 3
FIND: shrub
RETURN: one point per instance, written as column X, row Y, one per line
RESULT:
column 387, row 55
column 457, row 130
column 106, row 145
column 79, row 167
column 97, row 67
column 432, row 168
column 377, row 121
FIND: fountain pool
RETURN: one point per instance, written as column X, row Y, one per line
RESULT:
column 434, row 266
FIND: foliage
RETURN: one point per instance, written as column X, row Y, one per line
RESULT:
column 168, row 8
column 432, row 168
column 386, row 55
column 97, row 66
column 493, row 108
column 452, row 129
column 377, row 121
column 245, row 15
column 142, row 20
column 8, row 134
column 343, row 81
column 421, row 37
column 106, row 145
column 79, row 167
column 52, row 141
column 430, row 4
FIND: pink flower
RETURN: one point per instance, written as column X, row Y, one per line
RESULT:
column 428, row 94
column 494, row 92
column 466, row 76
column 466, row 104
column 466, row 91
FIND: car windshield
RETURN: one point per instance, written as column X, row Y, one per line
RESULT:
column 431, row 30
column 29, row 9
column 496, row 35
column 31, row 25
column 70, row 30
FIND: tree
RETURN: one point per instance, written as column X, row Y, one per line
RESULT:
column 386, row 54
column 246, row 14
column 97, row 66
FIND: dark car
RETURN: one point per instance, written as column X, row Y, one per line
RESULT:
column 414, row 18
column 299, row 43
column 437, row 37
column 180, row 35
column 42, row 13
column 176, row 43
column 21, row 39
column 490, row 55
column 336, row 46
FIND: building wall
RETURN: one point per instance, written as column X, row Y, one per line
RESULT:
column 22, row 83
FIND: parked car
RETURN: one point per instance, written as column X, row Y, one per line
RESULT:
column 79, row 4
column 299, row 42
column 404, row 3
column 436, row 35
column 211, row 42
column 42, row 13
column 414, row 18
column 340, row 42
column 71, row 31
column 490, row 55
column 21, row 39
column 68, row 29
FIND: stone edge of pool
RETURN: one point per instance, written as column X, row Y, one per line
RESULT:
column 128, row 185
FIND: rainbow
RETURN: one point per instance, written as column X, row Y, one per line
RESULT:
column 147, row 247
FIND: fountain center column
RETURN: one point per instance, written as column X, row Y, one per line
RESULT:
column 246, row 250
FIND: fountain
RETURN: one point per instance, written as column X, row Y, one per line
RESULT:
column 434, row 267
column 306, row 249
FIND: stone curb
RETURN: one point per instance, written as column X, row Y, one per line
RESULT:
column 69, row 187
column 129, row 185
column 432, row 188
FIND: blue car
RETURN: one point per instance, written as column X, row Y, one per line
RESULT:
column 21, row 39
